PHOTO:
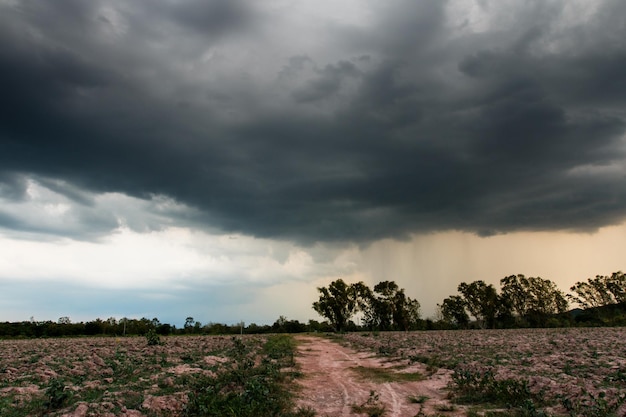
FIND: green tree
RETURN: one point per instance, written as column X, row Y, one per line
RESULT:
column 454, row 312
column 616, row 284
column 383, row 304
column 532, row 298
column 387, row 307
column 600, row 291
column 482, row 301
column 338, row 302
column 406, row 313
column 189, row 322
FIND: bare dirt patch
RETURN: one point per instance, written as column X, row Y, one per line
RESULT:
column 337, row 378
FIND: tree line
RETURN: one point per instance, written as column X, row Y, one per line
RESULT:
column 521, row 302
column 64, row 327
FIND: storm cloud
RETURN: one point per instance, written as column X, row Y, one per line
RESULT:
column 340, row 124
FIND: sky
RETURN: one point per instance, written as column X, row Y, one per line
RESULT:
column 222, row 159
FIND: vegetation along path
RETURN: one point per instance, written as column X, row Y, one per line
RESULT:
column 339, row 381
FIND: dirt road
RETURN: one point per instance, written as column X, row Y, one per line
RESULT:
column 336, row 379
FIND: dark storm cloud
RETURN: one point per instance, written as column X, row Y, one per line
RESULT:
column 212, row 17
column 519, row 127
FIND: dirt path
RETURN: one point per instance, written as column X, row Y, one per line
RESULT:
column 331, row 385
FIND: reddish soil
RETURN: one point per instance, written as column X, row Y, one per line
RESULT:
column 331, row 386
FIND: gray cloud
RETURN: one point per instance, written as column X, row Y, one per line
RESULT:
column 518, row 125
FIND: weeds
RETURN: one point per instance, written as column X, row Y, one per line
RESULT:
column 445, row 407
column 481, row 386
column 618, row 376
column 248, row 386
column 281, row 348
column 417, row 400
column 56, row 394
column 371, row 407
column 385, row 375
column 387, row 350
column 589, row 405
column 475, row 386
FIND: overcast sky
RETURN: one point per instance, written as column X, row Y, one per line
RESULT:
column 222, row 159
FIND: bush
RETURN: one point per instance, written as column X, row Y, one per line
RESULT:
column 56, row 394
column 246, row 386
column 481, row 385
column 153, row 338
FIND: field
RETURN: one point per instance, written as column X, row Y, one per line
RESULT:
column 538, row 372
column 578, row 372
column 125, row 376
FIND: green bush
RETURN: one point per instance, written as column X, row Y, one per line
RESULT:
column 153, row 338
column 480, row 386
column 248, row 386
column 56, row 394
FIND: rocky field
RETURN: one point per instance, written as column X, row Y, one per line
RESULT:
column 532, row 372
column 577, row 372
column 106, row 376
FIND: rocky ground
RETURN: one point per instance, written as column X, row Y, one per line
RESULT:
column 337, row 380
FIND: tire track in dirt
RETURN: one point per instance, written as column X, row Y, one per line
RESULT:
column 331, row 386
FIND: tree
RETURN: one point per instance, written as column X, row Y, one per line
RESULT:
column 482, row 301
column 406, row 313
column 189, row 321
column 94, row 327
column 382, row 305
column 616, row 284
column 164, row 329
column 365, row 299
column 387, row 307
column 532, row 298
column 600, row 291
column 338, row 302
column 453, row 311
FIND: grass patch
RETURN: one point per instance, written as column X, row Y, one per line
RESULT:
column 92, row 395
column 13, row 407
column 420, row 399
column 248, row 385
column 386, row 375
column 481, row 386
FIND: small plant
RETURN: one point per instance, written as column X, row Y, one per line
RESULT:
column 56, row 395
column 372, row 406
column 417, row 399
column 304, row 412
column 386, row 350
column 153, row 338
column 445, row 407
column 617, row 376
